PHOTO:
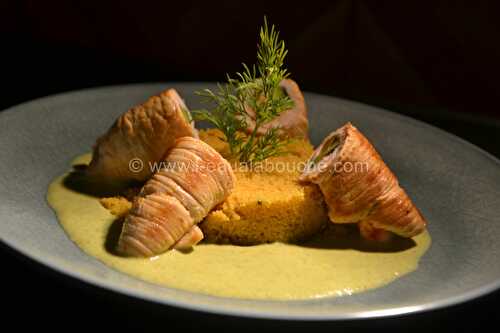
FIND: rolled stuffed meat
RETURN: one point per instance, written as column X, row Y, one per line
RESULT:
column 359, row 187
column 192, row 180
column 190, row 238
column 292, row 122
column 142, row 136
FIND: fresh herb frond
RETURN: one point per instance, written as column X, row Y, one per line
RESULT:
column 270, row 144
column 251, row 99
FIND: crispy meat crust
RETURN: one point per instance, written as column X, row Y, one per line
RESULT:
column 359, row 187
column 145, row 132
column 193, row 179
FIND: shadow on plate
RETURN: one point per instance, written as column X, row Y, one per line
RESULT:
column 347, row 237
column 113, row 235
column 78, row 181
column 335, row 237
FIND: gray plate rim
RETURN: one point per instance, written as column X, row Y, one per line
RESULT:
column 63, row 269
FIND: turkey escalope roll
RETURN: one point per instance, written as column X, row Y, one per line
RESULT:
column 359, row 187
column 143, row 134
column 291, row 123
column 190, row 182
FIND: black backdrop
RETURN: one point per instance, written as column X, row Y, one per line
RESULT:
column 436, row 61
column 398, row 53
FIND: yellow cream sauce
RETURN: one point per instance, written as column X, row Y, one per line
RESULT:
column 336, row 263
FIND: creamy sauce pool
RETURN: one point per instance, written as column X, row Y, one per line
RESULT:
column 334, row 264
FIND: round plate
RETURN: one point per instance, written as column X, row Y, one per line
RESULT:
column 455, row 184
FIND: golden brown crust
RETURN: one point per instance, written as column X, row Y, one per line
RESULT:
column 144, row 133
column 359, row 187
column 154, row 224
column 191, row 181
column 190, row 238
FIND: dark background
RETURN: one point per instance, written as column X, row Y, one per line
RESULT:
column 435, row 61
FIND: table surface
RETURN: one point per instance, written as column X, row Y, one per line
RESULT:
column 37, row 295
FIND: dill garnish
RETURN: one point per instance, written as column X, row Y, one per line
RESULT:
column 257, row 88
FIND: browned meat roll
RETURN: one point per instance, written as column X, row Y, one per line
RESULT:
column 359, row 187
column 192, row 180
column 190, row 238
column 293, row 122
column 142, row 136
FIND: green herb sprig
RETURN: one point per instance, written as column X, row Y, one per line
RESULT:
column 257, row 87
